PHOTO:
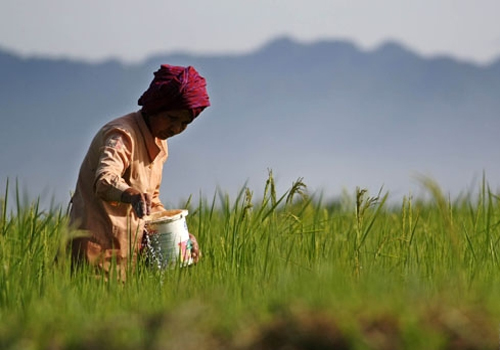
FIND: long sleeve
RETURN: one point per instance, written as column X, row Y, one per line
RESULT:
column 114, row 161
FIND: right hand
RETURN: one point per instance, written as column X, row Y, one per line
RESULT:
column 195, row 249
column 141, row 202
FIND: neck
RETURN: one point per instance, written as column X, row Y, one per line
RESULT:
column 146, row 120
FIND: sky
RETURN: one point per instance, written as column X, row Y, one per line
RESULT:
column 131, row 30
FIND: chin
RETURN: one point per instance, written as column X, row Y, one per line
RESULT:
column 163, row 136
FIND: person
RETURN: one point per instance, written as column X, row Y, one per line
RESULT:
column 120, row 177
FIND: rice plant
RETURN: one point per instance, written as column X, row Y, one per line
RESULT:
column 278, row 270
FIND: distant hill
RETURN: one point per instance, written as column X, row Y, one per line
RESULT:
column 329, row 112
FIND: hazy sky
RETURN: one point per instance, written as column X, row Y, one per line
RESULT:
column 132, row 30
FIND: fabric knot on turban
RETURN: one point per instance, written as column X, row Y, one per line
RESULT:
column 173, row 88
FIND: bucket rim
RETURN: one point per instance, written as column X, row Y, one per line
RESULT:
column 167, row 215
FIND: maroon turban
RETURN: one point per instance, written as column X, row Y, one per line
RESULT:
column 175, row 87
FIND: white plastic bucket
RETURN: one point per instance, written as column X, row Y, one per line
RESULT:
column 167, row 239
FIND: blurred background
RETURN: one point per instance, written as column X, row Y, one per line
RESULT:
column 339, row 93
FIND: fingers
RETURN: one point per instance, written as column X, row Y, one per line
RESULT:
column 139, row 206
column 195, row 249
column 141, row 202
column 147, row 201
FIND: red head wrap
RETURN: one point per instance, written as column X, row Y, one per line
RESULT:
column 175, row 87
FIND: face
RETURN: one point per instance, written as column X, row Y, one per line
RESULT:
column 169, row 123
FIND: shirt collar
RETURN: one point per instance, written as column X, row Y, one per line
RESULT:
column 153, row 145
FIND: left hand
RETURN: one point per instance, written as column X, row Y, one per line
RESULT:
column 195, row 249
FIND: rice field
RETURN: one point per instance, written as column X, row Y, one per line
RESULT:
column 279, row 271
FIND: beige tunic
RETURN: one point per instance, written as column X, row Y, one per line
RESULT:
column 123, row 154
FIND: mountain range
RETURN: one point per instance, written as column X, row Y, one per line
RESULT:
column 329, row 112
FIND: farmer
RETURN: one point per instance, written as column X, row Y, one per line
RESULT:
column 120, row 176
